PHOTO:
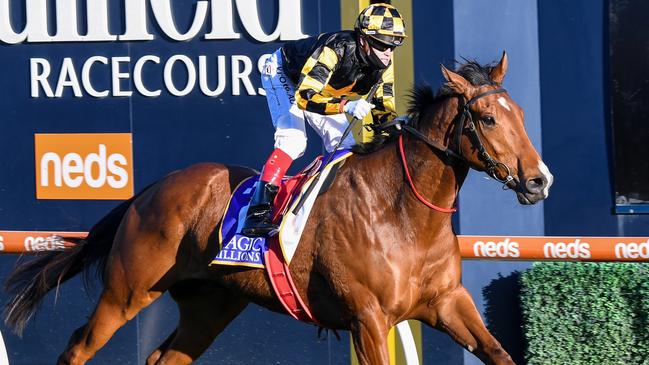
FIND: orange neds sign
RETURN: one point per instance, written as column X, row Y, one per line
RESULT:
column 521, row 248
column 84, row 166
column 555, row 248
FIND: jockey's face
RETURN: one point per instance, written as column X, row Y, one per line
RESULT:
column 380, row 50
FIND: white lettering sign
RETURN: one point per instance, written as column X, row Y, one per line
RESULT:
column 73, row 169
column 50, row 243
column 53, row 81
column 562, row 250
column 85, row 76
column 632, row 250
column 506, row 248
column 136, row 22
column 191, row 75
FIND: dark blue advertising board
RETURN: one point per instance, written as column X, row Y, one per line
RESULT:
column 100, row 99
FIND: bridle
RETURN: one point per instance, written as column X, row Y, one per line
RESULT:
column 461, row 127
column 471, row 130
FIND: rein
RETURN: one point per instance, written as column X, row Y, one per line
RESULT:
column 412, row 184
column 464, row 113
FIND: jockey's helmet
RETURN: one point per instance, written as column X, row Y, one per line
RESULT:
column 383, row 23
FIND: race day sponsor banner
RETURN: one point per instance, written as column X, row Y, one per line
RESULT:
column 548, row 248
column 84, row 166
column 27, row 242
column 522, row 248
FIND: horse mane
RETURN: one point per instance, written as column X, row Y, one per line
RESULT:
column 422, row 96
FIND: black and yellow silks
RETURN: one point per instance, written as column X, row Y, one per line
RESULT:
column 331, row 67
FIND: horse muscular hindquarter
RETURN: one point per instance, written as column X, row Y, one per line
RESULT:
column 374, row 252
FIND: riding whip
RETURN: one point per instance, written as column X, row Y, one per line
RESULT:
column 351, row 125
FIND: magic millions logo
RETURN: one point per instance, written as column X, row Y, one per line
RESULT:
column 211, row 20
column 242, row 250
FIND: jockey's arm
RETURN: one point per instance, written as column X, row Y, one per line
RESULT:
column 314, row 77
column 385, row 106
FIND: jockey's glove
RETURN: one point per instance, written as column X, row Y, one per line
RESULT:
column 358, row 108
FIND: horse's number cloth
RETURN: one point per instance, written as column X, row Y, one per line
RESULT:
column 239, row 250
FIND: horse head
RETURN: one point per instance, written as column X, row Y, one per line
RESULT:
column 489, row 131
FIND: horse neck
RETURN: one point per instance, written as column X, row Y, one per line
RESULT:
column 437, row 180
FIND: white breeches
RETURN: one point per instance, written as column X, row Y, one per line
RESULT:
column 288, row 119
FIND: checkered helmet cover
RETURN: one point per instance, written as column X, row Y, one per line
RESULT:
column 382, row 22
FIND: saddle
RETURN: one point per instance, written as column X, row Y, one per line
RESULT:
column 291, row 209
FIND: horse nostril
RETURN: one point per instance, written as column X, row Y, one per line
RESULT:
column 536, row 185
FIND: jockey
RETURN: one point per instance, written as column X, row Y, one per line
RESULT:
column 320, row 79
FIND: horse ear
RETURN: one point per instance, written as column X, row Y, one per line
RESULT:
column 456, row 82
column 498, row 72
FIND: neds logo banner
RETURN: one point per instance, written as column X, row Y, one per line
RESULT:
column 555, row 248
column 84, row 166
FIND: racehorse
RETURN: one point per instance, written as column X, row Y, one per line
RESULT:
column 373, row 252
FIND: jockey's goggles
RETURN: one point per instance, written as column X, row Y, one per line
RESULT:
column 378, row 45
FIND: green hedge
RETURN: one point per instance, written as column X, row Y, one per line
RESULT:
column 586, row 313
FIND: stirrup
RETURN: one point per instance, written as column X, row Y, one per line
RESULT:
column 261, row 231
column 258, row 219
column 258, row 224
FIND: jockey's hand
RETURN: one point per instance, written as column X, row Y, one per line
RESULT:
column 401, row 120
column 358, row 108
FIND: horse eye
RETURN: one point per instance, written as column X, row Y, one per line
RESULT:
column 488, row 120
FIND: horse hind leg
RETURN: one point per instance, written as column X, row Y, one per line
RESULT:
column 205, row 310
column 112, row 312
column 141, row 267
column 457, row 315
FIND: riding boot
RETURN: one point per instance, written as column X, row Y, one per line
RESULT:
column 258, row 219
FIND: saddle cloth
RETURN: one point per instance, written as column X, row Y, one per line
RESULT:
column 240, row 250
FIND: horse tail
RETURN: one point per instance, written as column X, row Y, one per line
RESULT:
column 30, row 281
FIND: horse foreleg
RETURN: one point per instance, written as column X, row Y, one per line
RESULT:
column 456, row 314
column 205, row 311
column 370, row 336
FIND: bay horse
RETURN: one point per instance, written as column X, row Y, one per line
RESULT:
column 373, row 253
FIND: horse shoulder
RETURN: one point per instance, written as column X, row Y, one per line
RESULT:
column 344, row 234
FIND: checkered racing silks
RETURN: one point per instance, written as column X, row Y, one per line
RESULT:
column 382, row 19
column 317, row 94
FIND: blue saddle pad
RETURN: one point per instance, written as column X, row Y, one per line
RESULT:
column 236, row 248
